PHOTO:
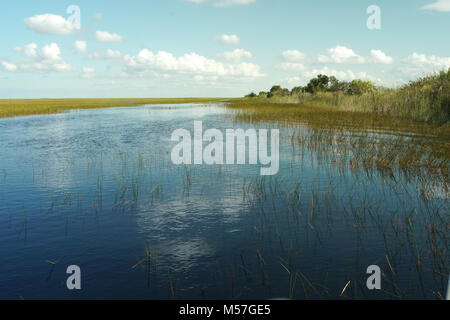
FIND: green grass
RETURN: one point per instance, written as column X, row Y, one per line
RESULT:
column 323, row 116
column 424, row 100
column 412, row 122
column 23, row 107
column 401, row 144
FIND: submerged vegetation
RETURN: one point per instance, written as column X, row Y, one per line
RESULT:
column 22, row 107
column 426, row 99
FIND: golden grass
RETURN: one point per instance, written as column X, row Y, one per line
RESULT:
column 23, row 107
column 321, row 116
column 402, row 143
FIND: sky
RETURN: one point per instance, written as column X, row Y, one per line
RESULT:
column 213, row 48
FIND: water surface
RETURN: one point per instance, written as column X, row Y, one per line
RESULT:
column 97, row 188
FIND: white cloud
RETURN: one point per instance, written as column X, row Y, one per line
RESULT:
column 88, row 73
column 80, row 46
column 113, row 54
column 378, row 56
column 189, row 64
column 11, row 67
column 29, row 50
column 439, row 5
column 340, row 74
column 293, row 60
column 291, row 66
column 292, row 81
column 346, row 75
column 341, row 55
column 293, row 56
column 420, row 63
column 50, row 24
column 227, row 39
column 104, row 36
column 235, row 56
column 48, row 58
column 338, row 55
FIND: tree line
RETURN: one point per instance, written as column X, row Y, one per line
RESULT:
column 321, row 83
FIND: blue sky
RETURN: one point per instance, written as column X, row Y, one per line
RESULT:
column 181, row 48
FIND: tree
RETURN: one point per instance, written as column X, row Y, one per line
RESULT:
column 278, row 91
column 359, row 87
column 297, row 90
column 275, row 89
column 262, row 94
column 320, row 83
column 333, row 85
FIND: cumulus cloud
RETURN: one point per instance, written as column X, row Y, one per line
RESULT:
column 340, row 74
column 227, row 39
column 46, row 59
column 293, row 60
column 50, row 24
column 80, row 46
column 419, row 64
column 10, row 67
column 293, row 56
column 188, row 64
column 439, row 5
column 104, row 36
column 309, row 67
column 29, row 50
column 341, row 55
column 235, row 56
column 378, row 56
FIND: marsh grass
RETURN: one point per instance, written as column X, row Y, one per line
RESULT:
column 426, row 99
column 22, row 107
column 360, row 140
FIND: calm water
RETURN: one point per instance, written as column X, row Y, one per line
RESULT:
column 97, row 189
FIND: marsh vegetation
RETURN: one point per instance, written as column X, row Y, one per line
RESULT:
column 22, row 107
column 97, row 187
column 424, row 100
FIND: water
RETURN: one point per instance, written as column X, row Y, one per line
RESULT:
column 97, row 189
